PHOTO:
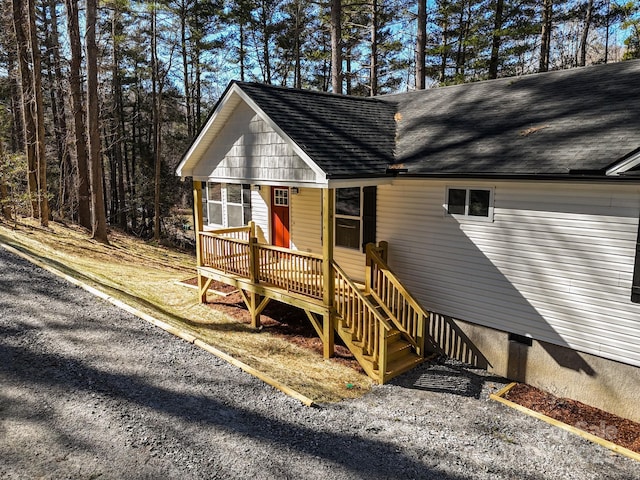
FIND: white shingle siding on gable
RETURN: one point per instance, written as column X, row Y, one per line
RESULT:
column 556, row 263
column 248, row 149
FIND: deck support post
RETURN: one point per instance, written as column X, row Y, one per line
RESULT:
column 328, row 285
column 254, row 300
column 254, row 276
column 198, row 227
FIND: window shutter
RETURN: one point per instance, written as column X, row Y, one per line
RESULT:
column 635, row 287
column 368, row 216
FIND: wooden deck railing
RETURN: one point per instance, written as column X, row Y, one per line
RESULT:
column 360, row 316
column 238, row 233
column 297, row 272
column 403, row 309
column 226, row 254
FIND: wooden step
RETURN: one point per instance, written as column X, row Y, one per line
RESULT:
column 394, row 336
column 402, row 365
column 398, row 349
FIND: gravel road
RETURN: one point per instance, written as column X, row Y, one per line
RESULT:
column 89, row 391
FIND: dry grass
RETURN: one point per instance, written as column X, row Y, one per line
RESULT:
column 145, row 276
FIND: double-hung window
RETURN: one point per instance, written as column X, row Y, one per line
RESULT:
column 355, row 217
column 476, row 203
column 226, row 204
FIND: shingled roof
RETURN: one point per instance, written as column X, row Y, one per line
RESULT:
column 570, row 122
column 576, row 122
column 345, row 136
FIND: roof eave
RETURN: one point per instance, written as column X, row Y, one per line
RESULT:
column 566, row 177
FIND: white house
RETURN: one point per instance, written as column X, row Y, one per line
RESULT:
column 510, row 208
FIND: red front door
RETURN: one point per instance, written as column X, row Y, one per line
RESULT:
column 280, row 216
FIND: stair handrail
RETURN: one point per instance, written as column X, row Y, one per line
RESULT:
column 405, row 312
column 344, row 288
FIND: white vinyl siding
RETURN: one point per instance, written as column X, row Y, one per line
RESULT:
column 556, row 263
column 306, row 232
column 260, row 212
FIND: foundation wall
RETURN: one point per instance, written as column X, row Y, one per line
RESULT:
column 561, row 371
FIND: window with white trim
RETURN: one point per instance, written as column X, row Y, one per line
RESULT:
column 472, row 203
column 281, row 197
column 226, row 204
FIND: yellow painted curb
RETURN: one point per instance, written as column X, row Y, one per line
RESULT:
column 499, row 397
column 164, row 326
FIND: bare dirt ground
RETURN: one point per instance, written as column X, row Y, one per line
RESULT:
column 88, row 391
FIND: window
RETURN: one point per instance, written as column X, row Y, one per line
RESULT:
column 474, row 203
column 226, row 205
column 281, row 197
column 355, row 217
column 348, row 217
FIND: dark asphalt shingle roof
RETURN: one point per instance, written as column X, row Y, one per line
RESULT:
column 554, row 123
column 344, row 136
column 559, row 123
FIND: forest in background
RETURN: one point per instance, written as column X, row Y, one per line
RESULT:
column 99, row 100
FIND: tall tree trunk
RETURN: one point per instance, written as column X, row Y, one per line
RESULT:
column 545, row 35
column 297, row 74
column 66, row 197
column 444, row 53
column 43, row 199
column 242, row 50
column 348, row 78
column 266, row 54
column 155, row 101
column 4, row 191
column 131, row 172
column 118, row 119
column 17, row 127
column 27, row 96
column 462, row 40
column 607, row 32
column 198, row 93
column 79, row 126
column 99, row 220
column 185, row 66
column 421, row 45
column 373, row 68
column 588, row 18
column 336, row 46
column 496, row 40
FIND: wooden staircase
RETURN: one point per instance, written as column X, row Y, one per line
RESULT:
column 381, row 323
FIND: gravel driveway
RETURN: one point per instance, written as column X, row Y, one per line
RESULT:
column 89, row 391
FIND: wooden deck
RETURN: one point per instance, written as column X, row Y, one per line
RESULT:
column 380, row 322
